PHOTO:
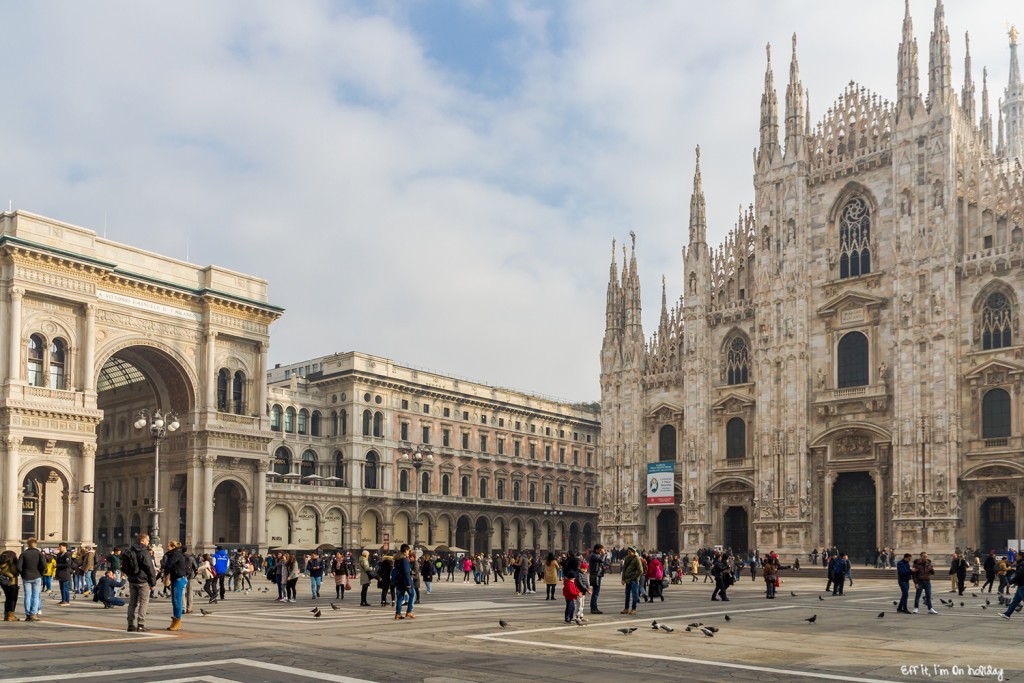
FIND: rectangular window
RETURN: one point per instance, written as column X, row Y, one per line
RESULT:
column 590, row 459
column 547, row 453
column 426, row 435
column 575, row 456
column 501, row 446
column 515, row 448
column 483, row 443
column 517, row 424
column 588, row 438
column 405, row 404
column 561, row 433
column 426, row 408
column 533, row 450
column 465, row 415
column 501, row 422
column 561, row 455
column 446, row 437
column 533, row 429
column 483, row 419
column 447, row 412
column 405, row 431
column 547, row 431
column 575, row 436
column 988, row 241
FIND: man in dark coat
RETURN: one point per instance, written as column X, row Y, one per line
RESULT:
column 106, row 590
column 141, row 576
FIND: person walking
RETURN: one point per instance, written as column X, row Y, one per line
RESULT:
column 384, row 580
column 427, row 570
column 550, row 576
column 205, row 574
column 339, row 567
column 904, row 575
column 595, row 571
column 654, row 574
column 570, row 591
column 960, row 569
column 403, row 583
column 990, row 570
column 694, row 569
column 291, row 568
column 923, row 572
column 176, row 566
column 364, row 577
column 137, row 565
column 315, row 571
column 840, row 566
column 720, row 570
column 31, row 566
column 221, row 564
column 632, row 570
column 770, row 572
column 9, row 583
column 1017, row 579
column 1002, row 567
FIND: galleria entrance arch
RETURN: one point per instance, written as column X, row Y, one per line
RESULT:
column 93, row 332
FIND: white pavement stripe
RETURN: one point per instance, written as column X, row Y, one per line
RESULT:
column 317, row 675
column 116, row 641
column 704, row 662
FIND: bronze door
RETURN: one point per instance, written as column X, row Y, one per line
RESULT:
column 854, row 521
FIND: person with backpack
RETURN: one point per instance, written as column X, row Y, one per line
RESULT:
column 221, row 564
column 137, row 565
column 655, row 574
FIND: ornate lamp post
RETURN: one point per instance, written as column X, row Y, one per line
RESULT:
column 555, row 511
column 159, row 424
column 418, row 459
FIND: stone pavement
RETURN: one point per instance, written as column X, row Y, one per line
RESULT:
column 456, row 637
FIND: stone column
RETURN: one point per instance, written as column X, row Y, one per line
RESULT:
column 260, row 381
column 259, row 518
column 205, row 506
column 14, row 340
column 211, row 371
column 12, row 494
column 472, row 542
column 245, row 531
column 88, row 356
column 87, row 481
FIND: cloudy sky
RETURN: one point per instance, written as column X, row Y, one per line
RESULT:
column 434, row 182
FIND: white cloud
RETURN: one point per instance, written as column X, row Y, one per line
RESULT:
column 394, row 207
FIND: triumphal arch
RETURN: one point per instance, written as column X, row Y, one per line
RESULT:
column 91, row 333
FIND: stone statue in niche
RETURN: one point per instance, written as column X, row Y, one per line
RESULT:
column 937, row 195
column 766, row 489
column 831, row 258
column 788, row 325
column 908, row 483
column 791, row 486
column 882, row 369
column 821, row 378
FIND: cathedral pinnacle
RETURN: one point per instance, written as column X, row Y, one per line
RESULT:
column 1012, row 106
column 769, row 114
column 986, row 116
column 698, row 222
column 967, row 93
column 794, row 107
column 908, row 84
column 939, row 67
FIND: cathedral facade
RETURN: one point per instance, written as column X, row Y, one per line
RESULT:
column 846, row 367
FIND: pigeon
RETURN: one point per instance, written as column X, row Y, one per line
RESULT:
column 792, row 593
column 689, row 628
column 627, row 631
column 961, row 604
column 894, row 603
column 707, row 633
column 974, row 595
column 203, row 612
column 984, row 607
column 820, row 598
column 666, row 628
column 811, row 620
column 654, row 625
column 314, row 610
column 334, row 607
column 728, row 618
column 317, row 614
column 881, row 614
column 696, row 624
column 987, row 601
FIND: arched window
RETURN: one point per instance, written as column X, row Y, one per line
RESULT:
column 852, row 361
column 58, row 356
column 370, row 470
column 223, row 379
column 378, row 424
column 403, row 481
column 517, row 491
column 854, row 239
column 666, row 443
column 561, row 495
column 547, row 493
column 737, row 361
column 499, row 489
column 736, row 439
column 424, row 482
column 343, row 418
column 35, row 360
column 995, row 414
column 446, row 485
column 275, row 419
column 282, row 460
column 996, row 317
column 308, row 464
column 575, row 496
column 289, row 420
column 483, row 487
column 334, row 423
column 303, row 421
column 367, row 418
column 339, row 467
column 238, row 393
column 464, row 487
column 314, row 423
column 533, row 492
column 589, row 497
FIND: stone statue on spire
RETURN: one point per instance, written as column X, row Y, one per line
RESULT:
column 1014, row 34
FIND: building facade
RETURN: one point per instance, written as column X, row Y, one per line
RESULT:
column 93, row 332
column 846, row 368
column 508, row 470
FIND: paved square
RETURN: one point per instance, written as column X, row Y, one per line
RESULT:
column 456, row 637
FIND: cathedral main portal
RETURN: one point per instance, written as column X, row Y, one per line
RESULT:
column 854, row 514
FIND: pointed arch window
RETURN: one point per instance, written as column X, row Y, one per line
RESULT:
column 58, row 356
column 238, row 393
column 223, row 379
column 737, row 361
column 666, row 444
column 995, row 414
column 996, row 319
column 35, row 360
column 854, row 239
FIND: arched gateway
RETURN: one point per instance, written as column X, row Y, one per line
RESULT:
column 93, row 332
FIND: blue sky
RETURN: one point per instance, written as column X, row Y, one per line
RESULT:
column 435, row 182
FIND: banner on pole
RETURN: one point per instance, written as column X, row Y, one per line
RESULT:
column 660, row 483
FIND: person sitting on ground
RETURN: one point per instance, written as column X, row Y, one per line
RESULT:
column 106, row 590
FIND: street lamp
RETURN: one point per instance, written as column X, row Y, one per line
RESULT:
column 159, row 424
column 418, row 459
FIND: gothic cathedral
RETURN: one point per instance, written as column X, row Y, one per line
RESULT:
column 847, row 367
